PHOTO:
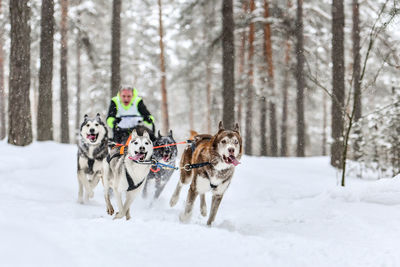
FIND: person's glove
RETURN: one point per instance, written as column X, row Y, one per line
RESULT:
column 147, row 119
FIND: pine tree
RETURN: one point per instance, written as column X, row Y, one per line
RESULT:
column 19, row 114
column 338, row 88
column 45, row 107
column 271, row 86
column 250, row 89
column 356, row 70
column 64, row 73
column 228, row 64
column 285, row 85
column 284, row 126
column 208, row 23
column 300, row 152
column 78, row 77
column 116, row 47
column 241, row 67
column 164, row 100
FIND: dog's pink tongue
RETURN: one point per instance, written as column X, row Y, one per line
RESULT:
column 91, row 136
column 234, row 160
column 138, row 156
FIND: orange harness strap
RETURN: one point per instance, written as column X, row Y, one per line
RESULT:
column 122, row 147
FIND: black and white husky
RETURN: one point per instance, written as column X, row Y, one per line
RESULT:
column 166, row 156
column 92, row 149
column 127, row 173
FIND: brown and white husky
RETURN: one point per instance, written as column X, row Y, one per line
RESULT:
column 220, row 154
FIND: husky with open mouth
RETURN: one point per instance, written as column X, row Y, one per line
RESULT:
column 126, row 173
column 92, row 149
column 208, row 166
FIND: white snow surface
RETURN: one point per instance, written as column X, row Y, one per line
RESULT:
column 276, row 212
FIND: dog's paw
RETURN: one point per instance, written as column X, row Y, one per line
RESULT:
column 203, row 211
column 184, row 217
column 91, row 194
column 128, row 216
column 80, row 200
column 110, row 211
column 118, row 215
column 173, row 201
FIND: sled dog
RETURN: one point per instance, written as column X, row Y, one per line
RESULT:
column 164, row 155
column 127, row 173
column 219, row 154
column 92, row 149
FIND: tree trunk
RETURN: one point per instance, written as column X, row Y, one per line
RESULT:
column 284, row 147
column 300, row 151
column 250, row 94
column 19, row 114
column 273, row 125
column 271, row 86
column 164, row 104
column 34, row 99
column 356, row 73
column 2, row 93
column 242, row 56
column 264, row 76
column 45, row 107
column 338, row 90
column 228, row 63
column 78, row 82
column 116, row 48
column 356, row 63
column 263, row 126
column 207, row 39
column 64, row 73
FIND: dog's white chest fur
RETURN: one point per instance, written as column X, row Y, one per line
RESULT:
column 90, row 151
column 84, row 163
column 221, row 165
column 204, row 185
column 137, row 172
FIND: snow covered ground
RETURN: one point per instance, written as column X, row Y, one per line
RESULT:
column 277, row 212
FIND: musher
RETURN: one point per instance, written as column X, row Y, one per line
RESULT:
column 126, row 111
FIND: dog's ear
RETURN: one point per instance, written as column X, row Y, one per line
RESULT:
column 221, row 126
column 159, row 134
column 98, row 118
column 146, row 134
column 85, row 117
column 236, row 127
column 134, row 134
column 170, row 133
